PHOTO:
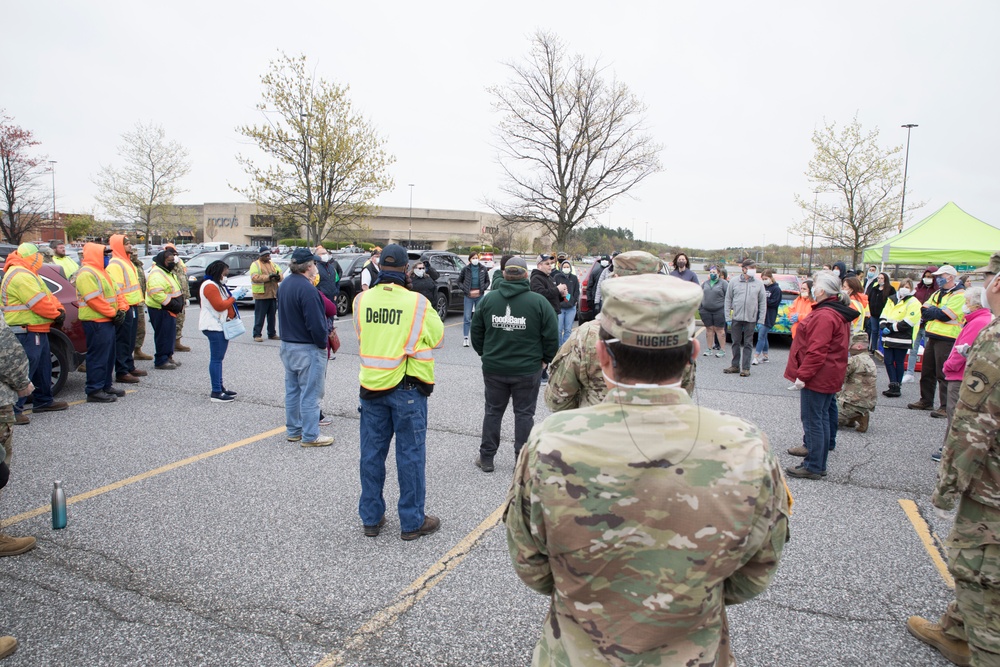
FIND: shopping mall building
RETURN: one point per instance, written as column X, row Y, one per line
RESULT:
column 432, row 229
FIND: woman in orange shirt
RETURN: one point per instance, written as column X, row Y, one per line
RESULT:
column 802, row 305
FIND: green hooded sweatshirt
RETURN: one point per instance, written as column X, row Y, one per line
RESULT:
column 514, row 330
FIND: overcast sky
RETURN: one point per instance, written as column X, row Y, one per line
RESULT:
column 734, row 90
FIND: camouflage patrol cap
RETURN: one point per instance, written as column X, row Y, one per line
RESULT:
column 650, row 311
column 635, row 262
column 994, row 265
column 859, row 338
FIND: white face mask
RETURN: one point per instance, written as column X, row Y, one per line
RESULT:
column 816, row 294
column 474, row 262
column 767, row 281
column 604, row 262
column 225, row 279
column 905, row 293
column 419, row 273
column 751, row 272
column 566, row 270
column 928, row 281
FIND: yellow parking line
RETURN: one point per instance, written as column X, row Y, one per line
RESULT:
column 83, row 400
column 924, row 533
column 412, row 593
column 38, row 511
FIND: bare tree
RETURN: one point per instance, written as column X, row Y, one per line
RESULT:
column 328, row 163
column 143, row 189
column 569, row 141
column 867, row 180
column 23, row 199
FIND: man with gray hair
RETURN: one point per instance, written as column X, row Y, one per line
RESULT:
column 746, row 308
column 304, row 336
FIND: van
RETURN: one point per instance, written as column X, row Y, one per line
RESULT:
column 214, row 247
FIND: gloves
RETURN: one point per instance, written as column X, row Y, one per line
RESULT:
column 275, row 277
column 799, row 384
column 963, row 349
column 240, row 293
column 794, row 318
column 885, row 331
column 120, row 318
column 60, row 318
column 757, row 328
column 174, row 305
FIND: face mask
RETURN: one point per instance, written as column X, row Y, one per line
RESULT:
column 904, row 293
column 871, row 274
column 107, row 260
column 928, row 281
column 815, row 294
column 475, row 262
column 604, row 262
column 941, row 281
column 681, row 264
column 767, row 281
column 419, row 273
column 751, row 272
column 713, row 275
column 323, row 257
column 224, row 280
column 804, row 294
column 566, row 270
column 169, row 265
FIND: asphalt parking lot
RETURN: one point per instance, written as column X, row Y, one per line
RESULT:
column 198, row 536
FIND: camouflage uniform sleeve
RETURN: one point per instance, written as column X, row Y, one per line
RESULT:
column 526, row 527
column 564, row 388
column 13, row 364
column 766, row 540
column 975, row 426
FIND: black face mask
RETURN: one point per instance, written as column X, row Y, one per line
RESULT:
column 170, row 265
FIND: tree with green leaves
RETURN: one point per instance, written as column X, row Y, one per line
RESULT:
column 569, row 140
column 143, row 188
column 864, row 181
column 326, row 165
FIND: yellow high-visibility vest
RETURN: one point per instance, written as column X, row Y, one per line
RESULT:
column 397, row 332
column 161, row 287
column 953, row 301
column 126, row 280
column 21, row 290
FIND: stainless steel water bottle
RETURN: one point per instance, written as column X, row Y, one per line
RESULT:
column 58, row 506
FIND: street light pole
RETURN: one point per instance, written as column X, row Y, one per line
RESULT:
column 52, row 168
column 906, row 164
column 410, row 242
column 812, row 239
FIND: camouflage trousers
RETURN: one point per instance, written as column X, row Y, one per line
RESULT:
column 688, row 377
column 974, row 615
column 180, row 323
column 140, row 327
column 847, row 412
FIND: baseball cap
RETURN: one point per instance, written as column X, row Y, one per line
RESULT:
column 946, row 268
column 544, row 258
column 517, row 264
column 393, row 257
column 748, row 262
column 635, row 262
column 650, row 311
column 993, row 266
column 264, row 250
column 302, row 255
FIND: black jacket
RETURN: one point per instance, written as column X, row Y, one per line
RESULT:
column 572, row 284
column 877, row 299
column 544, row 285
column 427, row 285
column 465, row 279
column 595, row 274
column 773, row 301
column 329, row 278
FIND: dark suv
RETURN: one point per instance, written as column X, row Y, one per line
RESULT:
column 447, row 264
column 239, row 262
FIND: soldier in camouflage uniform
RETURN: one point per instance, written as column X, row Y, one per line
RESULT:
column 14, row 383
column 856, row 399
column 180, row 273
column 575, row 379
column 969, row 631
column 140, row 324
column 616, row 510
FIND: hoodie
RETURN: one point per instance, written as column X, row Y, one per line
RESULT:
column 542, row 283
column 841, row 269
column 123, row 273
column 100, row 305
column 923, row 291
column 819, row 350
column 954, row 365
column 514, row 330
column 15, row 285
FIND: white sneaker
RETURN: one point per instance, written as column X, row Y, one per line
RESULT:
column 465, row 343
column 721, row 353
column 907, row 377
column 707, row 353
column 755, row 361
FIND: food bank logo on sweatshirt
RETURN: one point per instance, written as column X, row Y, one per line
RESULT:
column 508, row 322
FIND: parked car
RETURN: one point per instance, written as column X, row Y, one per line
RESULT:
column 448, row 265
column 243, row 280
column 790, row 285
column 68, row 346
column 239, row 262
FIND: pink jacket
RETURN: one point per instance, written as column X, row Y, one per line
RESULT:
column 954, row 365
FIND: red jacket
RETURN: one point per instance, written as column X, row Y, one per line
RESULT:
column 820, row 347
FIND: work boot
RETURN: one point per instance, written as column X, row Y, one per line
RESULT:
column 920, row 405
column 373, row 531
column 180, row 347
column 745, row 374
column 430, row 525
column 931, row 633
column 893, row 391
column 54, row 406
column 21, row 419
column 802, row 473
column 135, row 372
column 485, row 463
column 7, row 646
column 114, row 391
column 127, row 378
column 940, row 413
column 731, row 369
column 101, row 397
column 258, row 339
column 862, row 423
column 798, row 451
column 15, row 546
column 174, row 361
column 137, row 353
column 847, row 422
column 167, row 366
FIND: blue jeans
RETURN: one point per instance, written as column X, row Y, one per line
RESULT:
column 874, row 333
column 566, row 319
column 819, row 424
column 217, row 346
column 498, row 391
column 164, row 335
column 470, row 303
column 762, row 346
column 36, row 348
column 100, row 355
column 894, row 363
column 402, row 412
column 305, row 371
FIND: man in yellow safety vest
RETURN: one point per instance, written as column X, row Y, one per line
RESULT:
column 126, row 279
column 101, row 310
column 164, row 301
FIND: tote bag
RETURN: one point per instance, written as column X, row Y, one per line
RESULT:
column 233, row 328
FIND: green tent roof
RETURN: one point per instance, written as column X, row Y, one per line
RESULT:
column 947, row 236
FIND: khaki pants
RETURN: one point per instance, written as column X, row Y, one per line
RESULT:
column 140, row 327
